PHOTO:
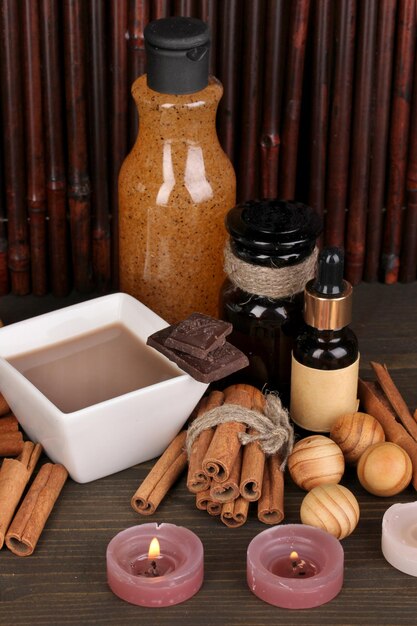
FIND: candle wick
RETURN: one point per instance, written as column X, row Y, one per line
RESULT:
column 298, row 567
column 153, row 570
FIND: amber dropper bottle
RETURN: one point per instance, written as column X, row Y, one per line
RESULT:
column 325, row 361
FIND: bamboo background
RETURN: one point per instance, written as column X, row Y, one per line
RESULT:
column 320, row 105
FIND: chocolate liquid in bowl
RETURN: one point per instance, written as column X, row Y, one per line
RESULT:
column 93, row 367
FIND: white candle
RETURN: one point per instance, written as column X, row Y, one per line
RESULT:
column 399, row 537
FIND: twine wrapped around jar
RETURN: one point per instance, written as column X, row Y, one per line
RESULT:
column 269, row 282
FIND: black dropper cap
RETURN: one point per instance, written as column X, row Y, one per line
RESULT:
column 177, row 52
column 329, row 279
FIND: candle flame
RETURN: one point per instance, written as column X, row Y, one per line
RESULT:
column 154, row 549
column 294, row 556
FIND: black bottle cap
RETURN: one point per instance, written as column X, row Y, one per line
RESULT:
column 177, row 50
column 273, row 232
column 329, row 280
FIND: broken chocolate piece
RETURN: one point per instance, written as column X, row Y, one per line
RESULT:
column 198, row 335
column 220, row 362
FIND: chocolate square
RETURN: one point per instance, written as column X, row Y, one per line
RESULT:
column 219, row 363
column 198, row 335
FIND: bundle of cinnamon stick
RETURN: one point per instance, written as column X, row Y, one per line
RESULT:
column 383, row 400
column 224, row 475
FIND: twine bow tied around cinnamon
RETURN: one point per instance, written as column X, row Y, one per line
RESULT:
column 273, row 429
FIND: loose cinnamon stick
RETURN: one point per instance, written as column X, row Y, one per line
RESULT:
column 8, row 424
column 29, row 521
column 395, row 399
column 205, row 503
column 415, row 415
column 225, row 445
column 11, row 443
column 375, row 403
column 271, row 502
column 228, row 490
column 197, row 479
column 4, row 407
column 161, row 477
column 14, row 476
column 235, row 514
column 253, row 459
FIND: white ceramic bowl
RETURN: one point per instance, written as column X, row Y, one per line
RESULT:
column 107, row 435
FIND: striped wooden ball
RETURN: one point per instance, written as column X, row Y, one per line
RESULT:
column 332, row 508
column 354, row 432
column 316, row 460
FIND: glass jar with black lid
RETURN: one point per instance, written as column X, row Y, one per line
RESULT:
column 268, row 260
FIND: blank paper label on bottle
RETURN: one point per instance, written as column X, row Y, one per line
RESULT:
column 319, row 397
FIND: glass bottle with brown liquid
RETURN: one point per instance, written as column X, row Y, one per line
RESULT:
column 273, row 240
column 177, row 184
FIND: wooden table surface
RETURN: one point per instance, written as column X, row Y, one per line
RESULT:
column 64, row 581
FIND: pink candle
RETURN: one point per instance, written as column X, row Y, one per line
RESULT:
column 295, row 566
column 140, row 576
